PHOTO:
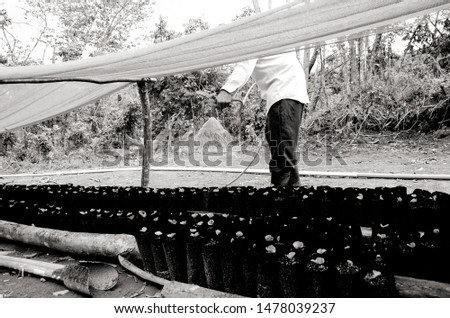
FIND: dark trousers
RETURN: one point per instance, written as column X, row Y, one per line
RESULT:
column 282, row 131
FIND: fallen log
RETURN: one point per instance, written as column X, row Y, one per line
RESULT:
column 90, row 244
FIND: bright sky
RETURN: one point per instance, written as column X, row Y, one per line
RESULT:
column 178, row 12
column 215, row 12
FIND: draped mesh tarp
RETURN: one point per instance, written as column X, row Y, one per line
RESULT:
column 271, row 32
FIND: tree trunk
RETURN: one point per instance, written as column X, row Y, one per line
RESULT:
column 320, row 82
column 362, row 60
column 345, row 70
column 317, row 78
column 367, row 58
column 322, row 78
column 313, row 59
column 306, row 58
column 373, row 67
column 354, row 73
column 2, row 145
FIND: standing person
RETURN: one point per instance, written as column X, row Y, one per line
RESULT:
column 282, row 83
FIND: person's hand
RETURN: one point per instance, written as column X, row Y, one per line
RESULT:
column 223, row 99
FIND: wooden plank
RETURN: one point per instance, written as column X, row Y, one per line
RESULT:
column 412, row 287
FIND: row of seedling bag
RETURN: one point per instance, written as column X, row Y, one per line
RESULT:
column 265, row 242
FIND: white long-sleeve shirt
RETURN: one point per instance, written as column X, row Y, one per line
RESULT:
column 278, row 77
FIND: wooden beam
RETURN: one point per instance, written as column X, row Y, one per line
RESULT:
column 148, row 143
column 146, row 114
column 65, row 79
column 412, row 287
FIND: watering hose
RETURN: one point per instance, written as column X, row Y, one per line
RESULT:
column 241, row 108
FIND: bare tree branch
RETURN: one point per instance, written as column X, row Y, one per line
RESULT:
column 256, row 6
column 8, row 43
column 40, row 34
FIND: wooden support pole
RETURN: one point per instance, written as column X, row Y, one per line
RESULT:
column 147, row 151
column 149, row 144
